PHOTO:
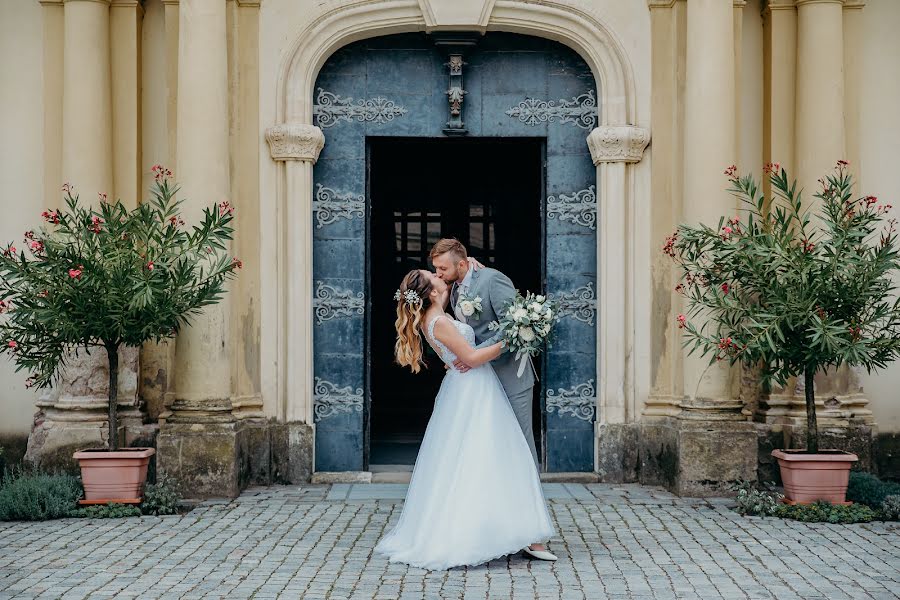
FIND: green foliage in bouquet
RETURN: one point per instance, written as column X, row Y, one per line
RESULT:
column 795, row 287
column 526, row 324
column 107, row 278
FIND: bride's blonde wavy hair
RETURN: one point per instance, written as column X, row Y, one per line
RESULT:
column 408, row 347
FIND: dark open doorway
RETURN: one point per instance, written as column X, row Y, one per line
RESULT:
column 486, row 192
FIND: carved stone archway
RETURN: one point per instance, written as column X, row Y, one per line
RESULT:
column 615, row 144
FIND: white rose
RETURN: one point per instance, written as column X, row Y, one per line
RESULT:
column 549, row 314
column 540, row 299
column 467, row 308
column 520, row 314
column 526, row 333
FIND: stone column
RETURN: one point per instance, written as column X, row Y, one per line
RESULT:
column 779, row 73
column 297, row 146
column 614, row 149
column 820, row 91
column 713, row 441
column 53, row 19
column 125, row 66
column 709, row 126
column 87, row 104
column 199, row 441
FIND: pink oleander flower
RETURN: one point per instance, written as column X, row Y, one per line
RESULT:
column 176, row 220
column 725, row 288
column 150, row 266
column 682, row 321
column 101, row 196
column 75, row 273
column 669, row 247
column 36, row 246
column 772, row 167
column 731, row 172
column 160, row 173
column 29, row 235
column 237, row 263
column 12, row 344
column 51, row 216
column 225, row 208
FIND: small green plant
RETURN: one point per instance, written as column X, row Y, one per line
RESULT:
column 160, row 498
column 825, row 512
column 106, row 511
column 890, row 508
column 34, row 496
column 757, row 499
column 868, row 489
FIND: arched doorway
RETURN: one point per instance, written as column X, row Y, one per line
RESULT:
column 383, row 106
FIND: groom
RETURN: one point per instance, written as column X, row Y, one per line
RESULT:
column 451, row 263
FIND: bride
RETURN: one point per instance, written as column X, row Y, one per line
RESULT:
column 475, row 493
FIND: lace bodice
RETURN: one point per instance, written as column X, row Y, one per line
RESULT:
column 443, row 351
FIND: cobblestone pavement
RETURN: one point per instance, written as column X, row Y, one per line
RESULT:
column 614, row 541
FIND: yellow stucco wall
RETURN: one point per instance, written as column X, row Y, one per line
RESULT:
column 21, row 158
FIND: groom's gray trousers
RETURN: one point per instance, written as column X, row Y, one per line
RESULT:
column 521, row 405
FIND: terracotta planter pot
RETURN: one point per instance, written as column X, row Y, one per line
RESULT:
column 113, row 476
column 811, row 477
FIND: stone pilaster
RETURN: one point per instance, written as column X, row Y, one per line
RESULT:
column 779, row 84
column 296, row 147
column 206, row 435
column 614, row 148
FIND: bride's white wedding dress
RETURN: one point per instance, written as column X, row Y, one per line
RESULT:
column 475, row 493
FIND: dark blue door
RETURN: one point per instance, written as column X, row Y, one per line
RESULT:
column 396, row 86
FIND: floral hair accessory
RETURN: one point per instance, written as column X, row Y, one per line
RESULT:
column 411, row 297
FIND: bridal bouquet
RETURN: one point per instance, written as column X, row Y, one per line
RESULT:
column 526, row 325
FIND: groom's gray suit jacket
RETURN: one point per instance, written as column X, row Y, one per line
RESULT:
column 496, row 291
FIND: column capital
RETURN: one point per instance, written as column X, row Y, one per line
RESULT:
column 771, row 5
column 848, row 4
column 802, row 2
column 295, row 141
column 618, row 143
column 651, row 4
column 106, row 2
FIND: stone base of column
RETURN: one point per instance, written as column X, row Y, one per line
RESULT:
column 293, row 445
column 618, row 456
column 73, row 416
column 215, row 459
column 692, row 457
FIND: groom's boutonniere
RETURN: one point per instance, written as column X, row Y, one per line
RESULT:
column 468, row 306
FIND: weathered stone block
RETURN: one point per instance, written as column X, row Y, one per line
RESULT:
column 617, row 452
column 292, row 452
column 769, row 437
column 255, row 452
column 201, row 457
column 713, row 454
column 658, row 451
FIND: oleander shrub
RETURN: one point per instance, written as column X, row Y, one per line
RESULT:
column 29, row 495
column 160, row 498
column 868, row 489
column 825, row 512
column 106, row 511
